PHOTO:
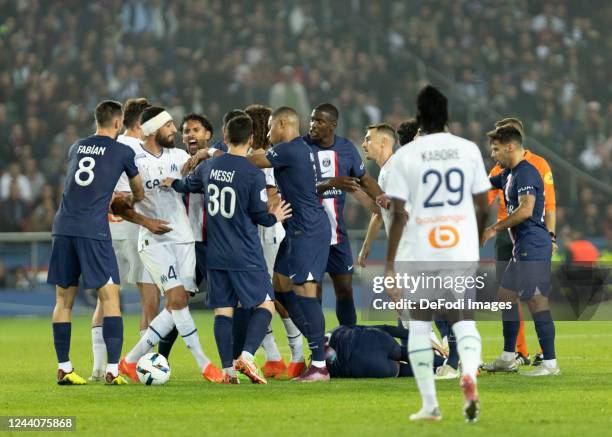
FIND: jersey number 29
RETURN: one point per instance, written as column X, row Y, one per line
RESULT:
column 454, row 185
column 223, row 201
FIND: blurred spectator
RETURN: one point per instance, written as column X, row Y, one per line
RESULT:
column 290, row 92
column 3, row 276
column 13, row 210
column 14, row 175
column 41, row 219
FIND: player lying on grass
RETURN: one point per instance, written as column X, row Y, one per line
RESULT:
column 370, row 352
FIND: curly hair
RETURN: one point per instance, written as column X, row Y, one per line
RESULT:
column 260, row 115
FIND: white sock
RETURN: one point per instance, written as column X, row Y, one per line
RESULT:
column 505, row 355
column 247, row 356
column 98, row 348
column 65, row 366
column 187, row 329
column 270, row 347
column 469, row 347
column 159, row 327
column 142, row 333
column 551, row 364
column 421, row 359
column 319, row 364
column 296, row 344
column 113, row 369
column 230, row 371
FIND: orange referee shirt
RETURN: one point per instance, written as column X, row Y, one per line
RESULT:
column 538, row 162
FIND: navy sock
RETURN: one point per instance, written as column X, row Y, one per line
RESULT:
column 511, row 323
column 296, row 313
column 258, row 328
column 223, row 337
column 239, row 331
column 165, row 345
column 345, row 312
column 453, row 355
column 442, row 326
column 316, row 326
column 545, row 328
column 112, row 331
column 61, row 340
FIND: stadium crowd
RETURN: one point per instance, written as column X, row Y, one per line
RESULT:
column 546, row 62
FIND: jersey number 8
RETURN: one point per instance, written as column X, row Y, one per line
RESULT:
column 86, row 166
column 223, row 201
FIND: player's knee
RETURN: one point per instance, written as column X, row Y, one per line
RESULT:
column 226, row 311
column 344, row 292
column 538, row 303
column 268, row 305
column 176, row 298
column 505, row 295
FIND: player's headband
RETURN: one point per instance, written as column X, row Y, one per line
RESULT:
column 152, row 125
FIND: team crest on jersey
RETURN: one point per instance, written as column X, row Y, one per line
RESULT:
column 326, row 162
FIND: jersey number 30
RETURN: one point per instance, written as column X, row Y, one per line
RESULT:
column 84, row 176
column 223, row 201
column 453, row 179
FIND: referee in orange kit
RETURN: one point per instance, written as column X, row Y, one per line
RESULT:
column 503, row 243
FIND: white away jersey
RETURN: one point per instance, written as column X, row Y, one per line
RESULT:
column 162, row 203
column 122, row 229
column 275, row 233
column 437, row 175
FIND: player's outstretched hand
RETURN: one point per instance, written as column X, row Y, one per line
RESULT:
column 363, row 256
column 158, row 227
column 282, row 211
column 488, row 233
column 345, row 183
column 167, row 183
column 383, row 201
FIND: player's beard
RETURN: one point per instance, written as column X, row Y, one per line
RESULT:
column 166, row 142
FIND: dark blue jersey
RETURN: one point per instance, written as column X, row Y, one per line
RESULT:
column 296, row 177
column 220, row 145
column 340, row 159
column 94, row 166
column 530, row 237
column 237, row 201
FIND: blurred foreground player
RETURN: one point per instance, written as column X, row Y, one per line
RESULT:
column 527, row 275
column 82, row 241
column 169, row 259
column 434, row 180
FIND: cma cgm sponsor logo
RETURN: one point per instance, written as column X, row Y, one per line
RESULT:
column 153, row 183
column 443, row 237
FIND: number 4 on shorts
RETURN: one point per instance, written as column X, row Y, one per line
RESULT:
column 171, row 273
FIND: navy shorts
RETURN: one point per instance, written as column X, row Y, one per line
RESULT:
column 527, row 278
column 303, row 258
column 371, row 357
column 200, row 252
column 340, row 261
column 226, row 288
column 74, row 257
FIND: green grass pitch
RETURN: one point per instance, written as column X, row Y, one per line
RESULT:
column 579, row 402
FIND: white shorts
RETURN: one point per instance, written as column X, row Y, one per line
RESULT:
column 169, row 266
column 130, row 265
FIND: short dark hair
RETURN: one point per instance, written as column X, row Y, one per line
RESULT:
column 239, row 129
column 284, row 111
column 432, row 109
column 150, row 112
column 506, row 134
column 206, row 124
column 329, row 109
column 132, row 108
column 407, row 130
column 384, row 128
column 260, row 115
column 231, row 114
column 511, row 121
column 106, row 111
